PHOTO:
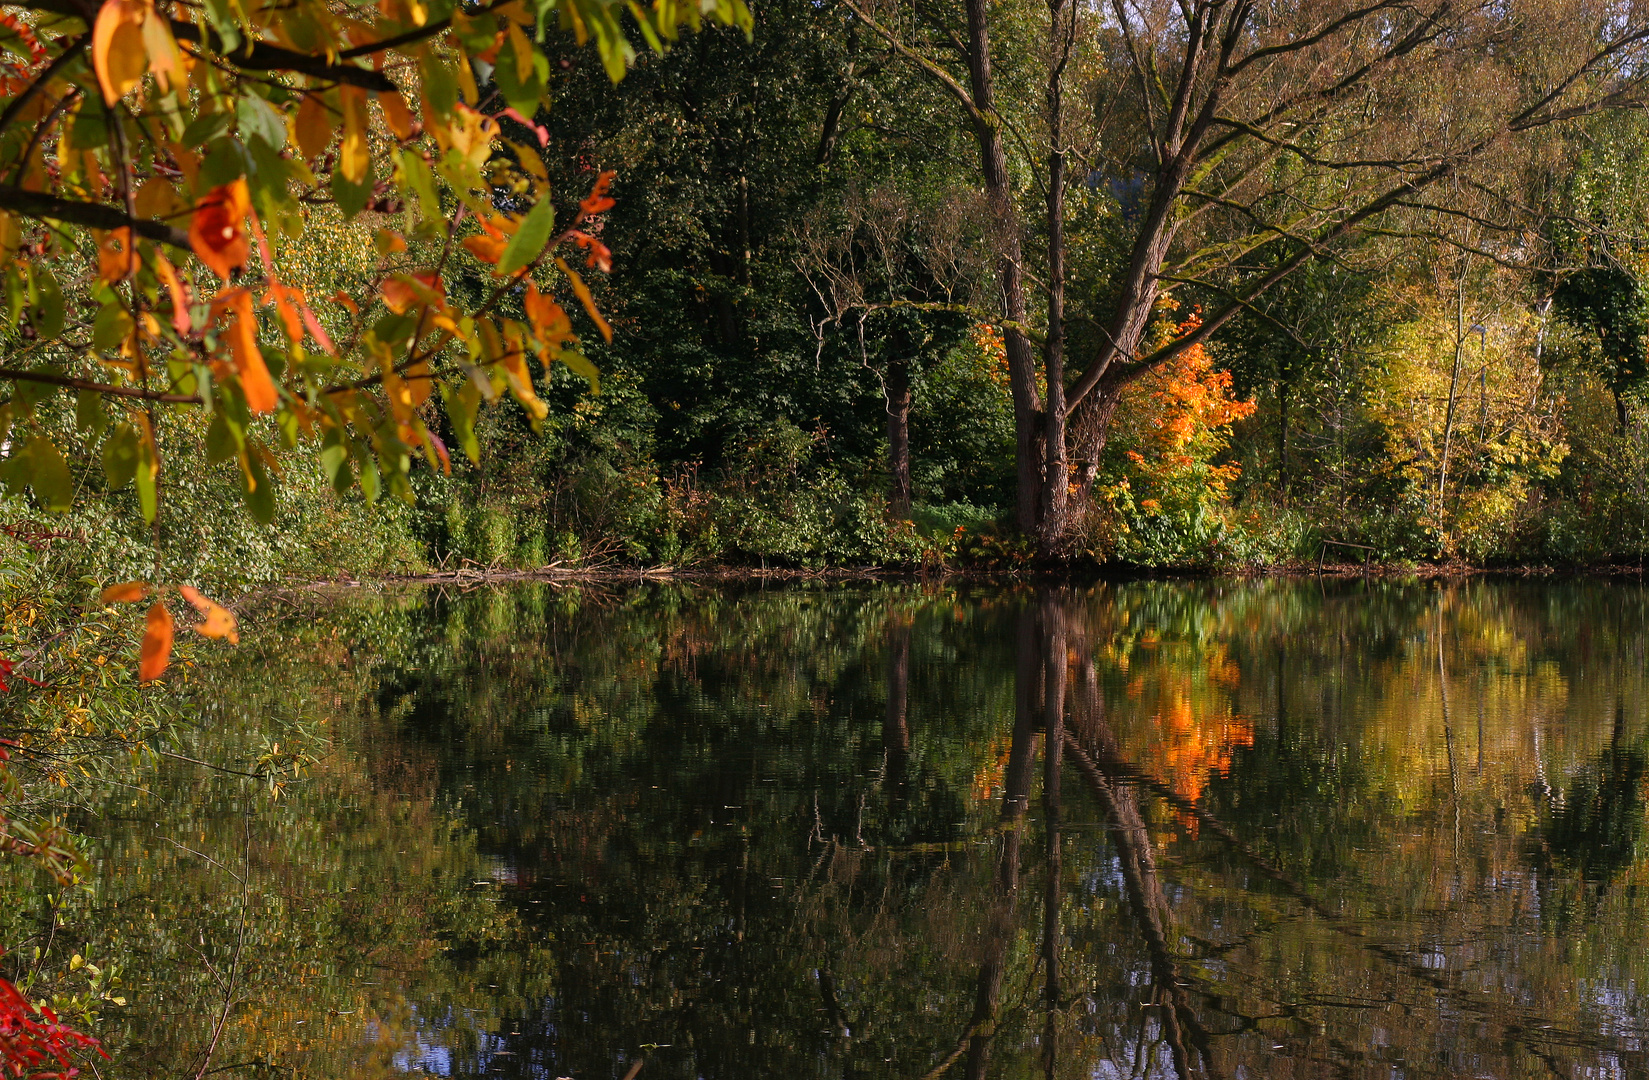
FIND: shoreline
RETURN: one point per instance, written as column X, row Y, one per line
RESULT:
column 1027, row 575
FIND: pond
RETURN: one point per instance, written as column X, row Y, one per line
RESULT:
column 1156, row 829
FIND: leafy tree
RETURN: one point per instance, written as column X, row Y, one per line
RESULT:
column 165, row 172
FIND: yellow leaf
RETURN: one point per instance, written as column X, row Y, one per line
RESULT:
column 164, row 58
column 353, row 157
column 219, row 623
column 232, row 311
column 119, row 54
column 523, row 49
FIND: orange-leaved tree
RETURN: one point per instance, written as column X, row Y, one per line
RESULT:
column 159, row 163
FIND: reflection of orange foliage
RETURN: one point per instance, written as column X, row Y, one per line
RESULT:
column 1190, row 748
column 991, row 778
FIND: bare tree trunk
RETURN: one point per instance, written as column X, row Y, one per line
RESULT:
column 896, row 388
column 1454, row 385
column 993, row 157
column 1055, row 470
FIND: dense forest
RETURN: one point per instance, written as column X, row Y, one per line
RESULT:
column 1148, row 284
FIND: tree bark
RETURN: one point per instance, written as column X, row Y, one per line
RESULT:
column 993, row 158
column 896, row 389
column 1055, row 470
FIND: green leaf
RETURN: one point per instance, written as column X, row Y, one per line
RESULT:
column 335, row 464
column 148, row 471
column 205, row 128
column 112, row 327
column 17, row 292
column 414, row 178
column 223, row 440
column 463, row 401
column 49, row 475
column 521, row 90
column 260, row 493
column 440, row 84
column 120, row 457
column 48, row 303
column 579, row 364
column 258, row 118
column 222, row 15
column 352, row 198
column 17, row 469
column 529, row 240
column 226, row 162
column 89, row 414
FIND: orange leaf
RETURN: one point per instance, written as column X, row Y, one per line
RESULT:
column 397, row 114
column 347, row 301
column 549, row 322
column 215, row 230
column 582, row 291
column 403, row 291
column 489, row 249
column 116, row 257
column 166, row 272
column 233, row 312
column 598, row 200
column 286, row 300
column 600, row 256
column 220, row 622
column 124, row 593
column 313, row 126
column 157, row 643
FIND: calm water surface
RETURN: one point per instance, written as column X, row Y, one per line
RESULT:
column 1242, row 829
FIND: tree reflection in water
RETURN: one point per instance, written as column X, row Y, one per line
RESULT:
column 1148, row 830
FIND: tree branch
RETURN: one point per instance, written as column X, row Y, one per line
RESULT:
column 37, row 204
column 101, row 388
column 945, row 78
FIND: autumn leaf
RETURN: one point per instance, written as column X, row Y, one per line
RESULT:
column 167, row 273
column 598, row 201
column 288, row 303
column 404, row 291
column 549, row 323
column 582, row 291
column 487, row 248
column 124, row 593
column 233, row 313
column 312, row 128
column 119, row 55
column 354, row 159
column 156, row 650
column 398, row 115
column 215, row 231
column 219, row 622
column 116, row 258
column 601, row 257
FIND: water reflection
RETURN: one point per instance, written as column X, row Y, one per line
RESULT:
column 1153, row 830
